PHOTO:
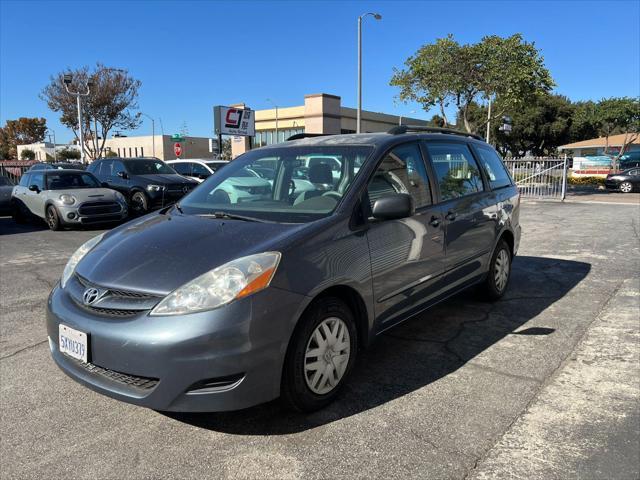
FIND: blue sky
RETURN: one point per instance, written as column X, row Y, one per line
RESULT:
column 193, row 55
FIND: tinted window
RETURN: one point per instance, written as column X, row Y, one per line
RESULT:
column 118, row 166
column 147, row 167
column 105, row 168
column 182, row 168
column 24, row 180
column 402, row 171
column 493, row 167
column 62, row 181
column 456, row 170
column 215, row 166
column 197, row 170
column 634, row 172
column 37, row 179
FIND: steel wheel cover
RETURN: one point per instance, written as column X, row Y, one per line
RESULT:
column 327, row 355
column 626, row 187
column 501, row 270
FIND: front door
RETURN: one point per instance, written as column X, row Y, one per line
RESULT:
column 407, row 255
column 116, row 181
column 34, row 200
column 469, row 210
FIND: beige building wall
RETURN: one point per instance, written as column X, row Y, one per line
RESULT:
column 143, row 146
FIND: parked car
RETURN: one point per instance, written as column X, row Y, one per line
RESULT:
column 6, row 187
column 146, row 183
column 212, row 305
column 66, row 198
column 626, row 181
column 199, row 170
column 56, row 166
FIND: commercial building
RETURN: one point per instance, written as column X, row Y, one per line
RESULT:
column 320, row 113
column 596, row 146
column 160, row 146
column 44, row 151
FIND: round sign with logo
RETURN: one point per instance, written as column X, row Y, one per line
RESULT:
column 177, row 149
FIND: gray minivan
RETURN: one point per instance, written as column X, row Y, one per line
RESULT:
column 213, row 304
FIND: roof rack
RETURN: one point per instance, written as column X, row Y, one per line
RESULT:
column 298, row 136
column 415, row 128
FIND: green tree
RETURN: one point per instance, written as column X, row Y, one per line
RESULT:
column 111, row 104
column 445, row 72
column 27, row 154
column 226, row 149
column 22, row 131
column 68, row 154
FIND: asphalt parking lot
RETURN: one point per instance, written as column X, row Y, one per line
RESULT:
column 543, row 384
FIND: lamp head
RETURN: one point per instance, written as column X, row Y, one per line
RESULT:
column 67, row 78
column 90, row 83
column 377, row 16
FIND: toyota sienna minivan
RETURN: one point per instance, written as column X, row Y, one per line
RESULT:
column 213, row 304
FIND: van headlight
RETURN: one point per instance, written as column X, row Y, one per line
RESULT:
column 220, row 286
column 67, row 199
column 78, row 255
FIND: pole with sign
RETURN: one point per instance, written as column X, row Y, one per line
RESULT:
column 239, row 122
column 177, row 149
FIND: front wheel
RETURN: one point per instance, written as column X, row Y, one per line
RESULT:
column 626, row 187
column 139, row 203
column 499, row 272
column 320, row 356
column 53, row 219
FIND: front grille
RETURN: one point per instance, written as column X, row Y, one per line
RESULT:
column 117, row 293
column 113, row 303
column 143, row 383
column 179, row 189
column 115, row 312
column 99, row 208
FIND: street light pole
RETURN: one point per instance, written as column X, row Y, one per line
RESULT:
column 67, row 79
column 53, row 134
column 377, row 16
column 153, row 133
column 400, row 118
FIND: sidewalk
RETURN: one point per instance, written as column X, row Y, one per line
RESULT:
column 585, row 423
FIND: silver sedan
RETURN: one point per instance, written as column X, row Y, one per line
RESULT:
column 65, row 198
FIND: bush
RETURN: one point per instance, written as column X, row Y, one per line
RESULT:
column 595, row 181
column 27, row 154
column 68, row 154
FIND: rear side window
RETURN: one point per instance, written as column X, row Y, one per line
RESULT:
column 456, row 170
column 402, row 171
column 493, row 167
column 182, row 168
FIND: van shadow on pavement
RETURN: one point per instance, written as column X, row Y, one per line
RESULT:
column 420, row 351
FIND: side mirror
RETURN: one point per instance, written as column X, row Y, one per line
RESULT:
column 34, row 188
column 122, row 175
column 394, row 206
column 104, row 185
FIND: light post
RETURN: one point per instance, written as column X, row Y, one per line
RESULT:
column 153, row 133
column 276, row 107
column 400, row 118
column 67, row 79
column 377, row 16
column 52, row 134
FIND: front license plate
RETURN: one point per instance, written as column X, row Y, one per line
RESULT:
column 73, row 342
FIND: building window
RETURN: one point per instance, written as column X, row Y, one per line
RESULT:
column 136, row 150
column 268, row 137
column 142, row 151
column 119, row 152
column 130, row 154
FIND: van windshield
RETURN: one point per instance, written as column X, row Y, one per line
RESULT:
column 288, row 185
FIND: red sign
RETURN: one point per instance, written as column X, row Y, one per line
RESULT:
column 177, row 149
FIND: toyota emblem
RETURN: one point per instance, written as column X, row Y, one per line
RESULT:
column 90, row 296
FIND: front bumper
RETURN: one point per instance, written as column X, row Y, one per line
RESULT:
column 245, row 341
column 70, row 215
column 612, row 184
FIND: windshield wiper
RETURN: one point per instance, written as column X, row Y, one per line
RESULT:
column 229, row 216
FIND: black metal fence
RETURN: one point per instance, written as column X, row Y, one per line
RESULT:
column 13, row 169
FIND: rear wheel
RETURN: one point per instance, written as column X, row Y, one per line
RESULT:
column 626, row 187
column 321, row 354
column 53, row 220
column 499, row 272
column 139, row 203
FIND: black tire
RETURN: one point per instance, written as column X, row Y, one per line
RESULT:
column 52, row 218
column 139, row 203
column 295, row 392
column 626, row 187
column 492, row 290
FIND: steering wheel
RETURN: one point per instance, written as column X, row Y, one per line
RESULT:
column 333, row 194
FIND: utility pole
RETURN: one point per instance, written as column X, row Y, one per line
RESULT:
column 67, row 79
column 489, row 120
column 153, row 133
column 377, row 16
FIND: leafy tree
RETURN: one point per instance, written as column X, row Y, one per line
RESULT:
column 445, row 72
column 22, row 131
column 617, row 116
column 27, row 154
column 68, row 154
column 110, row 104
column 226, row 149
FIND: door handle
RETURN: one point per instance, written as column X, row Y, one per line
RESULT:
column 451, row 216
column 435, row 221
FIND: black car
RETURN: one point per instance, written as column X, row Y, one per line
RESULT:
column 6, row 187
column 626, row 181
column 147, row 183
column 230, row 301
